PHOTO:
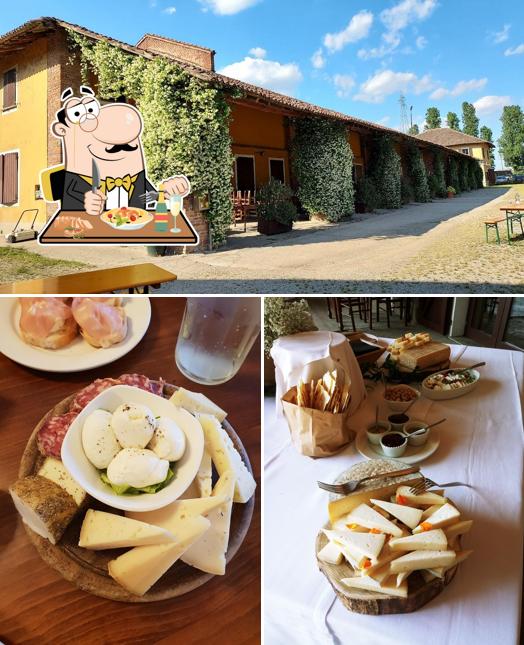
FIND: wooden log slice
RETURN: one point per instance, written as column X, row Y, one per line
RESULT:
column 372, row 603
column 88, row 569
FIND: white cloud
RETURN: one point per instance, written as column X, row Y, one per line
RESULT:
column 169, row 10
column 386, row 82
column 514, row 51
column 421, row 42
column 344, row 84
column 406, row 12
column 491, row 104
column 227, row 7
column 501, row 36
column 281, row 77
column 317, row 60
column 357, row 29
column 379, row 52
column 258, row 52
column 460, row 88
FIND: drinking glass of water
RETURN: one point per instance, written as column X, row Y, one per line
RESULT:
column 215, row 337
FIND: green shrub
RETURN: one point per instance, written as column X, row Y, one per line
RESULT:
column 386, row 172
column 464, row 174
column 367, row 194
column 418, row 174
column 439, row 174
column 434, row 186
column 406, row 191
column 479, row 175
column 275, row 203
column 453, row 174
column 322, row 162
column 283, row 317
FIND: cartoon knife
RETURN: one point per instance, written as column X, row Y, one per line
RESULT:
column 95, row 176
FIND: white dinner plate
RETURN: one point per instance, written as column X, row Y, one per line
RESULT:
column 77, row 356
column 413, row 454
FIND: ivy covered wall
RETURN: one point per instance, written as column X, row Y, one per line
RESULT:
column 186, row 121
column 386, row 171
column 417, row 173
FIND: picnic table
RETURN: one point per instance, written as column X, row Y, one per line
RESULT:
column 131, row 278
column 513, row 213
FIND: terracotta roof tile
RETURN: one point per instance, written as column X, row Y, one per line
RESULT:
column 449, row 137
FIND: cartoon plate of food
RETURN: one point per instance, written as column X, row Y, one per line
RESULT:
column 126, row 219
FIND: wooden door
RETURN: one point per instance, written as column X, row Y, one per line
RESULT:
column 496, row 322
column 434, row 313
column 245, row 172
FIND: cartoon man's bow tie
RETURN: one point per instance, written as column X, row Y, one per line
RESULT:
column 112, row 182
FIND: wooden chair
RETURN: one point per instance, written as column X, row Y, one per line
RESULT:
column 352, row 306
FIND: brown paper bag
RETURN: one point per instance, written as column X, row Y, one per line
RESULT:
column 316, row 433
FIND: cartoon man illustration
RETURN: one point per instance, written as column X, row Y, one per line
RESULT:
column 109, row 135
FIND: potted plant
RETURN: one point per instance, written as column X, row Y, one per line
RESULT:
column 276, row 211
column 451, row 192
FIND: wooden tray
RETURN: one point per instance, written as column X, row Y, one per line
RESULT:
column 371, row 603
column 88, row 569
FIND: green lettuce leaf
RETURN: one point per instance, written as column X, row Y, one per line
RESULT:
column 131, row 490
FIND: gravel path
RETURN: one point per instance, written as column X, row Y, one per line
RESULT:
column 422, row 248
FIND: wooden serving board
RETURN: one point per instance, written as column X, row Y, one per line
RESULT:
column 88, row 569
column 372, row 603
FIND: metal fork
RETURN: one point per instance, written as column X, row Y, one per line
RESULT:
column 349, row 487
column 425, row 484
column 149, row 196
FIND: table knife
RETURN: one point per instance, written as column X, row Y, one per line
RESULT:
column 95, row 176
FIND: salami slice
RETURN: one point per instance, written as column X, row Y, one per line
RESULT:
column 52, row 433
column 89, row 392
column 135, row 380
column 157, row 387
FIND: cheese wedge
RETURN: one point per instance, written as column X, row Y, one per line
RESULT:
column 460, row 556
column 204, row 476
column 346, row 504
column 54, row 470
column 330, row 554
column 137, row 570
column 424, row 499
column 368, row 517
column 429, row 511
column 427, row 541
column 458, row 529
column 196, row 403
column 401, row 577
column 209, row 552
column 226, row 457
column 408, row 515
column 422, row 560
column 372, row 585
column 446, row 515
column 380, row 574
column 367, row 544
column 427, row 575
column 354, row 559
column 342, row 525
column 102, row 530
column 386, row 556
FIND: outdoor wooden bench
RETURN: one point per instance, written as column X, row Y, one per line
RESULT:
column 131, row 278
column 514, row 213
column 493, row 223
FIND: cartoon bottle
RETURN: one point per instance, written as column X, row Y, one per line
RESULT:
column 161, row 212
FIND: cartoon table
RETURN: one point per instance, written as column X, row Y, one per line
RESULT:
column 102, row 233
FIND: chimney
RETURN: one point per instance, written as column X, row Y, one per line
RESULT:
column 184, row 52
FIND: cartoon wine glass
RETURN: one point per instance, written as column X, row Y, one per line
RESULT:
column 175, row 206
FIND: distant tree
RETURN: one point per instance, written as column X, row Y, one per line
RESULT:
column 487, row 134
column 414, row 129
column 453, row 121
column 433, row 119
column 470, row 122
column 511, row 142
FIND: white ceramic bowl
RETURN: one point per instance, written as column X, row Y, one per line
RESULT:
column 394, row 451
column 83, row 471
column 374, row 437
column 420, row 439
column 443, row 395
column 400, row 406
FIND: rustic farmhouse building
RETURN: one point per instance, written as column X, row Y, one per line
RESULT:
column 35, row 67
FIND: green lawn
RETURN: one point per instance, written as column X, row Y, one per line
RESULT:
column 18, row 264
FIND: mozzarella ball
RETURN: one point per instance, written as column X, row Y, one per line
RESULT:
column 133, row 425
column 169, row 441
column 98, row 439
column 137, row 467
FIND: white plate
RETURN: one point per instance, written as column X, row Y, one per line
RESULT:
column 77, row 356
column 83, row 471
column 413, row 454
column 444, row 395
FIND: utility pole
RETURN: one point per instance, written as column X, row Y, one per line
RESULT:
column 403, row 114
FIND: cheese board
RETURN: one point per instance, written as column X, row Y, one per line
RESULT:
column 87, row 568
column 386, row 553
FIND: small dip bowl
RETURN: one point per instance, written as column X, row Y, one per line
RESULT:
column 393, row 444
column 399, row 397
column 376, row 431
column 398, row 420
column 413, row 426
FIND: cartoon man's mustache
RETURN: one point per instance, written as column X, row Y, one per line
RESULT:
column 124, row 147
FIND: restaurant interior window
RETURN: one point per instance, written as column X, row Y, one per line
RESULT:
column 9, row 178
column 9, row 89
column 245, row 173
column 277, row 170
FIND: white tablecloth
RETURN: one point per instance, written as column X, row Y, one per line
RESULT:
column 482, row 442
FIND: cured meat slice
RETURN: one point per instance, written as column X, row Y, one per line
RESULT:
column 91, row 391
column 142, row 382
column 52, row 433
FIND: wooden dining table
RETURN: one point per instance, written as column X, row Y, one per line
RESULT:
column 38, row 606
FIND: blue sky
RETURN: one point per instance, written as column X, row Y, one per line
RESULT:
column 355, row 56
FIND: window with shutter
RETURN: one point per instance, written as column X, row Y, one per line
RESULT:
column 9, row 100
column 9, row 178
